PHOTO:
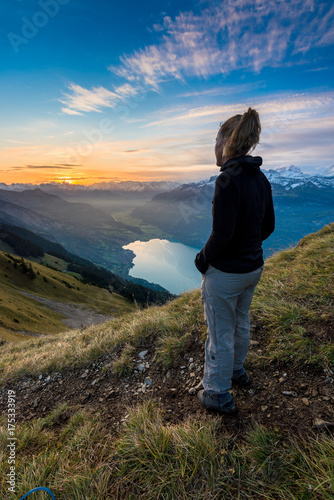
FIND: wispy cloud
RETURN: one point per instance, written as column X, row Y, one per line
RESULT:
column 55, row 167
column 80, row 100
column 69, row 111
column 283, row 107
column 14, row 141
column 125, row 90
column 224, row 90
column 136, row 151
column 228, row 35
column 68, row 164
column 317, row 69
column 231, row 35
column 320, row 28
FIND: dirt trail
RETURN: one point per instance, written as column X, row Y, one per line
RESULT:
column 282, row 396
column 76, row 316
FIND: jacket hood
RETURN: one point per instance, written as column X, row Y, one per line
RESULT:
column 251, row 164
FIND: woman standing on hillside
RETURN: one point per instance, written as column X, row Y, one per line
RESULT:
column 231, row 261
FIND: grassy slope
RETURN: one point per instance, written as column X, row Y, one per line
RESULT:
column 21, row 313
column 195, row 459
column 294, row 302
column 148, row 231
column 293, row 306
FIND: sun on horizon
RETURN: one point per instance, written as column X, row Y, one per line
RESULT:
column 97, row 95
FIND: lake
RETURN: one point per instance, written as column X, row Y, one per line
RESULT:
column 169, row 264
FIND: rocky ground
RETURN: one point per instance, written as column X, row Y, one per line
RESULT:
column 290, row 399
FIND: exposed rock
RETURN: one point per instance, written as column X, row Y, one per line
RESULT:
column 142, row 354
column 314, row 393
column 290, row 393
column 322, row 425
column 199, row 386
column 283, row 378
column 253, row 342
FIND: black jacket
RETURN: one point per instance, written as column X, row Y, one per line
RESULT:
column 243, row 216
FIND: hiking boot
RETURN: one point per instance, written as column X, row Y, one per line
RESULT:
column 242, row 379
column 222, row 403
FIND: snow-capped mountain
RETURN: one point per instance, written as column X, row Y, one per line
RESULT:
column 328, row 171
column 289, row 178
column 17, row 187
column 303, row 203
column 293, row 177
column 134, row 186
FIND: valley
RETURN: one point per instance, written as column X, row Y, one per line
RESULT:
column 35, row 299
column 123, row 395
column 100, row 223
column 96, row 221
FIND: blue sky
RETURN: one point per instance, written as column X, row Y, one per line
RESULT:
column 92, row 91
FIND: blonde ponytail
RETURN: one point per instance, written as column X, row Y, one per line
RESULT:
column 242, row 133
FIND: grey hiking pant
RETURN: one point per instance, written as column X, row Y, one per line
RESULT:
column 226, row 298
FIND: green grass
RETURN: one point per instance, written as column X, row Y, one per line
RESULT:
column 22, row 313
column 72, row 463
column 151, row 460
column 197, row 458
column 294, row 301
column 148, row 231
column 171, row 326
column 124, row 364
column 50, row 260
column 291, row 305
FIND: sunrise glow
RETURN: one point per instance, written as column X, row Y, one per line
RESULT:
column 140, row 97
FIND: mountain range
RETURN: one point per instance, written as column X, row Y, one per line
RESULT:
column 81, row 228
column 303, row 203
column 282, row 175
column 134, row 186
column 96, row 221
